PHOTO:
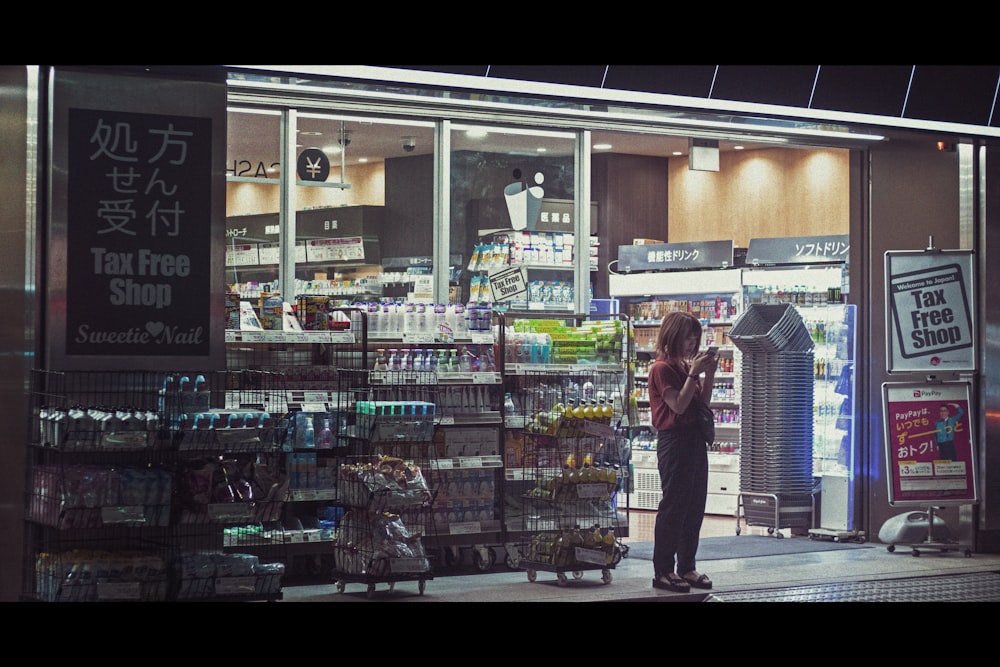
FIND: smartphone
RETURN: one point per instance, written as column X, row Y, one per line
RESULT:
column 713, row 350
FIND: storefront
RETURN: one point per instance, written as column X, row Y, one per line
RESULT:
column 405, row 183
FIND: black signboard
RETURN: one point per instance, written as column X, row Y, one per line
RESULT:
column 138, row 234
column 798, row 250
column 675, row 256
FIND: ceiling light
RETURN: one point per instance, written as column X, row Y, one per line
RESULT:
column 602, row 147
column 678, row 153
column 737, row 148
column 542, row 149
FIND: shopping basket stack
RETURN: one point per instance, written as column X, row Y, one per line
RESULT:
column 776, row 422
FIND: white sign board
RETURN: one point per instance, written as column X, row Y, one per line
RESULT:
column 508, row 284
column 930, row 324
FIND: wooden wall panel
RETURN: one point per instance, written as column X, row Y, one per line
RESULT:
column 766, row 193
column 631, row 196
column 367, row 189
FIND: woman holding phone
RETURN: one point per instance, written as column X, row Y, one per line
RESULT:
column 679, row 402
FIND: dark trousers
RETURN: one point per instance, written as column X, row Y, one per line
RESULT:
column 946, row 450
column 682, row 459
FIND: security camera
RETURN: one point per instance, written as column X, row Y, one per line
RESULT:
column 409, row 143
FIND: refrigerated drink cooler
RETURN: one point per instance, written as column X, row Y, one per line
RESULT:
column 776, row 419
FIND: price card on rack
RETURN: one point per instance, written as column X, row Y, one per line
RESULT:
column 464, row 528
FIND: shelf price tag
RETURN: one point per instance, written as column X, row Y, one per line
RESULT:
column 229, row 511
column 130, row 514
column 589, row 556
column 464, row 528
column 470, row 462
column 231, row 335
column 253, row 337
column 591, row 490
column 418, row 339
column 481, row 337
column 447, row 420
column 444, row 464
column 342, row 337
column 484, row 378
column 314, row 398
column 235, row 585
column 314, row 336
column 129, row 590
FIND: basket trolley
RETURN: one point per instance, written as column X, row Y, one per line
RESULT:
column 570, row 518
column 385, row 479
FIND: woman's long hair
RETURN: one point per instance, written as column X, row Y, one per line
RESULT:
column 674, row 331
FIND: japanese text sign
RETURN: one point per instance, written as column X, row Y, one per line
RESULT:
column 138, row 257
column 930, row 459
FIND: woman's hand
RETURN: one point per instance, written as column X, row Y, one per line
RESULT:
column 705, row 362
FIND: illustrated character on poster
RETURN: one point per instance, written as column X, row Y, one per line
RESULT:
column 945, row 430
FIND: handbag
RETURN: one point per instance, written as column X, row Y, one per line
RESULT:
column 704, row 420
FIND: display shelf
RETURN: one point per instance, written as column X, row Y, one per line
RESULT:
column 124, row 490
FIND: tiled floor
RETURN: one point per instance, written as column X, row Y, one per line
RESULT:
column 841, row 575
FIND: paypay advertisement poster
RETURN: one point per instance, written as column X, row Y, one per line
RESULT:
column 930, row 458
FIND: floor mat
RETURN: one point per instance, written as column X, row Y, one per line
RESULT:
column 746, row 546
column 974, row 587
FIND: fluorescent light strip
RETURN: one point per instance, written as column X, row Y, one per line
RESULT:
column 717, row 128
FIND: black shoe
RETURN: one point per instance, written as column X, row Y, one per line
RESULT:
column 671, row 582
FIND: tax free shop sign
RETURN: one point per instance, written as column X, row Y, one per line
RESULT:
column 930, row 318
column 138, row 255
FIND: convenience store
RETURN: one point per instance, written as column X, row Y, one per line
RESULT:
column 892, row 188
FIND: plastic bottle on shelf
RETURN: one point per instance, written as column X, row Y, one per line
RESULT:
column 325, row 440
column 465, row 361
column 442, row 361
column 309, row 437
column 509, row 409
column 374, row 311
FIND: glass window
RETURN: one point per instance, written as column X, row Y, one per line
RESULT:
column 363, row 201
column 512, row 207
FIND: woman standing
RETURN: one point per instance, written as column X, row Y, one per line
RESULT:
column 679, row 402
